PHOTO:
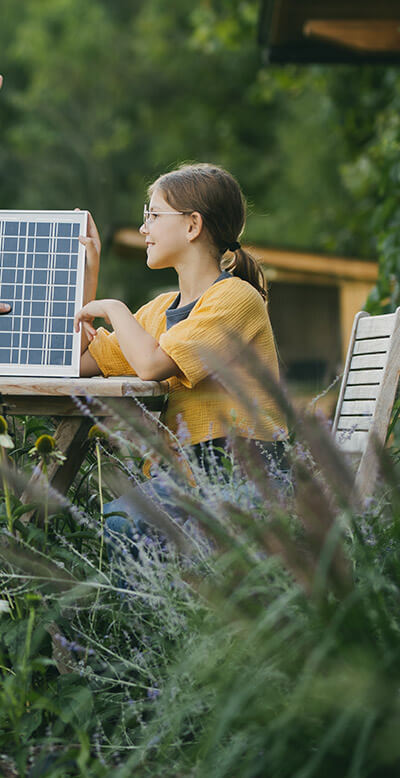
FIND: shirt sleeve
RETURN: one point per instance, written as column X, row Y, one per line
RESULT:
column 106, row 351
column 105, row 348
column 231, row 307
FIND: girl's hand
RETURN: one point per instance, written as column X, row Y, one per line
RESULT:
column 92, row 245
column 93, row 310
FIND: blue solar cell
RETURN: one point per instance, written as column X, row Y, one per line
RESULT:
column 60, row 293
column 71, row 309
column 75, row 230
column 5, row 355
column 58, row 325
column 31, row 242
column 71, row 294
column 56, row 357
column 24, row 339
column 23, row 355
column 21, row 244
column 42, row 244
column 39, row 292
column 61, row 277
column 36, row 341
column 62, row 262
column 58, row 309
column 64, row 230
column 43, row 228
column 20, row 276
column 10, row 244
column 32, row 228
column 41, row 261
column 11, row 228
column 8, row 275
column 22, row 228
column 17, row 307
column 14, row 357
column 38, row 308
column 9, row 259
column 35, row 357
column 38, row 323
column 70, row 326
column 6, row 292
column 5, row 339
column 63, row 245
column 16, row 337
column 40, row 277
column 68, row 341
column 57, row 341
column 5, row 323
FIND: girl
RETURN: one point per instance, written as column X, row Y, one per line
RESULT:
column 195, row 215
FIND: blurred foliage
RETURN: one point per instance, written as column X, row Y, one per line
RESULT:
column 96, row 104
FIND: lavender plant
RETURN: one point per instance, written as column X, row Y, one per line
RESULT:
column 254, row 632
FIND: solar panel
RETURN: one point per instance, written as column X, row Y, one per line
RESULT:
column 42, row 267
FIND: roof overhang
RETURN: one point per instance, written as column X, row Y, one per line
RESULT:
column 330, row 31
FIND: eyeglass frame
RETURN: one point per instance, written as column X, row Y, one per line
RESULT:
column 147, row 214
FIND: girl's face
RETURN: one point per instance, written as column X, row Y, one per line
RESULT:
column 166, row 233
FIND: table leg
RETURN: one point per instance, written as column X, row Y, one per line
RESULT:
column 71, row 439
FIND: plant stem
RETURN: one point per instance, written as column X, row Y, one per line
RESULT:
column 46, row 502
column 7, row 493
column 101, row 504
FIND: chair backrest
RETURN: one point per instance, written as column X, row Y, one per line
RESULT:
column 368, row 392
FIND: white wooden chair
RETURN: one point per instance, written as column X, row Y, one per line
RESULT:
column 367, row 393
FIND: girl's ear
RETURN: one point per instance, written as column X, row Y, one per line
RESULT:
column 195, row 225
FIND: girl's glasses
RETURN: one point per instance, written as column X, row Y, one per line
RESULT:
column 150, row 216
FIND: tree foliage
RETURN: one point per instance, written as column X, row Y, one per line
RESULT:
column 96, row 103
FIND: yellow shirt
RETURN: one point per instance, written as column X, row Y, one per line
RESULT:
column 199, row 406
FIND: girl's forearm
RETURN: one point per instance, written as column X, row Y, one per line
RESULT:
column 89, row 294
column 138, row 346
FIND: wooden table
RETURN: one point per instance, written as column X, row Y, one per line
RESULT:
column 54, row 397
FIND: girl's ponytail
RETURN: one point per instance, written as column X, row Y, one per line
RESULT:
column 247, row 268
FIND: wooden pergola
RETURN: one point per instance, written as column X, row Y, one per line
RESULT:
column 330, row 31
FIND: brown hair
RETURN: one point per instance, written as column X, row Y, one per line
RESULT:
column 217, row 196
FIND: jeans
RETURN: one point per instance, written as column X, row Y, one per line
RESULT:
column 126, row 521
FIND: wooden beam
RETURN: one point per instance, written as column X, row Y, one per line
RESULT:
column 304, row 265
column 361, row 34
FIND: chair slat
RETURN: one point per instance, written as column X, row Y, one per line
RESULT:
column 362, row 392
column 375, row 326
column 371, row 345
column 354, row 444
column 357, row 377
column 357, row 407
column 370, row 361
column 362, row 423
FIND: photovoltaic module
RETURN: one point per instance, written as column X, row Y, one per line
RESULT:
column 42, row 267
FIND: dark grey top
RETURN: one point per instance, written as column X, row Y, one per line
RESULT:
column 175, row 314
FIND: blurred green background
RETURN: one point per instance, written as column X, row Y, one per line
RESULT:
column 99, row 98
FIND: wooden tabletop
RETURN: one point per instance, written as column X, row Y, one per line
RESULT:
column 114, row 386
column 21, row 395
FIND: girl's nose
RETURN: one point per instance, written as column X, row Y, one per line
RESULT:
column 143, row 229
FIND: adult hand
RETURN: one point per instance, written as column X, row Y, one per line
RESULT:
column 1, row 81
